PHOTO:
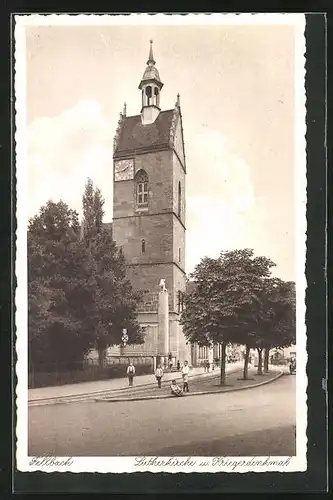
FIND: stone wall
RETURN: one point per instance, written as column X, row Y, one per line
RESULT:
column 179, row 176
column 164, row 234
column 159, row 168
column 178, row 243
column 155, row 230
column 146, row 279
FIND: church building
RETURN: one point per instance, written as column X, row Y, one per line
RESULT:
column 149, row 212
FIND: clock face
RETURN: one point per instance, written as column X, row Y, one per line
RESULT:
column 123, row 170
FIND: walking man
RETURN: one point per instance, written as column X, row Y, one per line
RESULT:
column 170, row 361
column 159, row 374
column 130, row 373
column 185, row 372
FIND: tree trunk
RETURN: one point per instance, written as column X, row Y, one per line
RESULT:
column 101, row 357
column 266, row 360
column 246, row 363
column 223, row 361
column 259, row 349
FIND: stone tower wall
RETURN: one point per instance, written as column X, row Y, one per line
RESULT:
column 162, row 228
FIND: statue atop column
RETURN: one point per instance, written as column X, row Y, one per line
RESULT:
column 163, row 286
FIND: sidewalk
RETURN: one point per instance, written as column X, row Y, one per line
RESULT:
column 104, row 386
column 199, row 385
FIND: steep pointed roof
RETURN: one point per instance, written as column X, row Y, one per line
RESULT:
column 134, row 135
column 151, row 55
column 151, row 73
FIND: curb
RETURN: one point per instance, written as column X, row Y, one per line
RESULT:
column 92, row 396
column 199, row 393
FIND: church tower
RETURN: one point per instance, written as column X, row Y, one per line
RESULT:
column 149, row 209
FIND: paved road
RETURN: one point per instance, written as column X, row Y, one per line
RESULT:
column 258, row 421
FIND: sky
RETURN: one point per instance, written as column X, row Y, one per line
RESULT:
column 236, row 86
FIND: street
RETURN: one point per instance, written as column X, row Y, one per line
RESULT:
column 259, row 421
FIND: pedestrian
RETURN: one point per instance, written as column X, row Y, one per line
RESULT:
column 175, row 389
column 130, row 373
column 170, row 361
column 159, row 374
column 185, row 372
column 178, row 365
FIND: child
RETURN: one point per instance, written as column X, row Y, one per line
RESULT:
column 175, row 389
column 159, row 375
column 130, row 374
column 185, row 372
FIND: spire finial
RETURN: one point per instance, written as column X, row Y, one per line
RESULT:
column 151, row 55
column 125, row 109
column 178, row 100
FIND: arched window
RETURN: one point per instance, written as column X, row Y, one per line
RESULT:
column 179, row 199
column 180, row 301
column 141, row 181
column 148, row 94
column 179, row 254
column 143, row 246
column 157, row 97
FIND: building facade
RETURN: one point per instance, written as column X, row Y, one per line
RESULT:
column 149, row 210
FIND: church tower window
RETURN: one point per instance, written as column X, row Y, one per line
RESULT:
column 143, row 246
column 148, row 94
column 180, row 302
column 142, row 198
column 157, row 97
column 141, row 180
column 179, row 199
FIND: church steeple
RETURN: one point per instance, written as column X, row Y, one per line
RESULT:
column 151, row 56
column 150, row 87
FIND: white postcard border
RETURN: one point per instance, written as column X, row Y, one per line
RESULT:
column 170, row 464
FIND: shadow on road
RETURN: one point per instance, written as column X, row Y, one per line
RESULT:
column 279, row 441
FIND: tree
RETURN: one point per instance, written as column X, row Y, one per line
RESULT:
column 279, row 321
column 116, row 303
column 79, row 297
column 59, row 290
column 93, row 213
column 276, row 319
column 224, row 305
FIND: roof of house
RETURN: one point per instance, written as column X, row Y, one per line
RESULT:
column 134, row 135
